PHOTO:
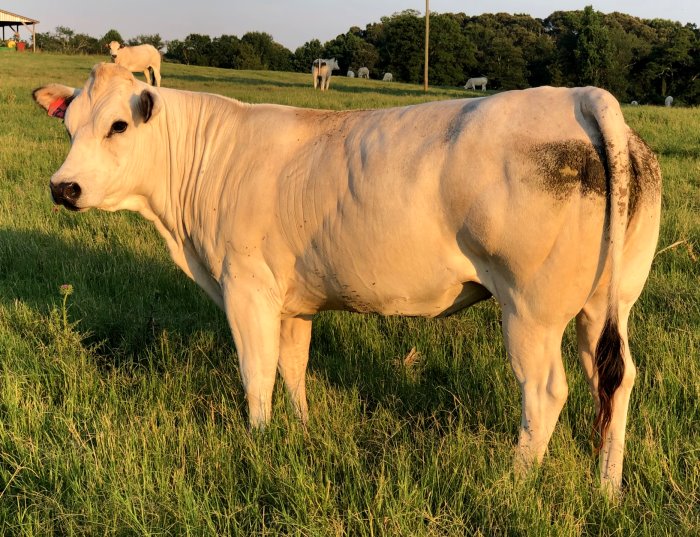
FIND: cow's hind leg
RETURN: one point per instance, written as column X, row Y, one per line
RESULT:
column 155, row 77
column 147, row 74
column 295, row 337
column 589, row 326
column 534, row 350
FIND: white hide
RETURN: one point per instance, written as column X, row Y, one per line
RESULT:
column 138, row 58
column 281, row 212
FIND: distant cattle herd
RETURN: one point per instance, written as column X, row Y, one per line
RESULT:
column 147, row 59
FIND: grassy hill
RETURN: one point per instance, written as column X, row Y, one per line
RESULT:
column 122, row 413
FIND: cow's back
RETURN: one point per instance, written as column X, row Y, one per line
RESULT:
column 396, row 210
column 416, row 201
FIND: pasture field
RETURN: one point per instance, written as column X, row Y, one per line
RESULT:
column 122, row 413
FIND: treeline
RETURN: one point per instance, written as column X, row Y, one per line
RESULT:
column 634, row 58
column 66, row 41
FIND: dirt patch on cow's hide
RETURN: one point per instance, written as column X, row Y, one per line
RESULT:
column 571, row 166
column 574, row 166
column 645, row 181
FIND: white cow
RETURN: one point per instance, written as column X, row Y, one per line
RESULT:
column 351, row 74
column 542, row 198
column 634, row 103
column 669, row 101
column 144, row 58
column 472, row 83
column 321, row 72
column 363, row 72
column 388, row 77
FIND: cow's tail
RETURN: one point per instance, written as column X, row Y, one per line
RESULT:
column 609, row 352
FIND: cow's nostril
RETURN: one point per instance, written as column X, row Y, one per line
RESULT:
column 71, row 192
column 66, row 194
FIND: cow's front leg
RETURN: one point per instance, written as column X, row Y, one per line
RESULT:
column 254, row 317
column 295, row 338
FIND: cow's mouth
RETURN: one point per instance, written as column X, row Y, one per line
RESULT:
column 68, row 205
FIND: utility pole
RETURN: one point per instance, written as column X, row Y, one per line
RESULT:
column 427, row 41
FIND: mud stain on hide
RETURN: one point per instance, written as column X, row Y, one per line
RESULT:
column 570, row 166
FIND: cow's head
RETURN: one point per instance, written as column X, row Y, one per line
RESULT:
column 108, row 122
column 114, row 46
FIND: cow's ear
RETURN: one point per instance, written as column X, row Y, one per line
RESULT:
column 149, row 105
column 55, row 98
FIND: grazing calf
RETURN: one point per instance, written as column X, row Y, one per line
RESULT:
column 363, row 72
column 351, row 74
column 472, row 83
column 388, row 77
column 144, row 58
column 321, row 72
column 543, row 198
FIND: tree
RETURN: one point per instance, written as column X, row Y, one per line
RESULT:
column 305, row 55
column 270, row 54
column 563, row 27
column 498, row 57
column 196, row 49
column 670, row 59
column 399, row 40
column 451, row 54
column 351, row 51
column 154, row 40
column 592, row 52
column 226, row 52
column 111, row 35
column 84, row 44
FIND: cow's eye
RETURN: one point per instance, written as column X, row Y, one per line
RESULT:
column 118, row 127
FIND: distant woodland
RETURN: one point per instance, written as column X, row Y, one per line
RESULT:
column 635, row 59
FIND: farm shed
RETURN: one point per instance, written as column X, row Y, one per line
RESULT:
column 14, row 22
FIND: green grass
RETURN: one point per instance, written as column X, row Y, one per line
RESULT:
column 122, row 413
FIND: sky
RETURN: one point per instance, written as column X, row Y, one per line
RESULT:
column 294, row 22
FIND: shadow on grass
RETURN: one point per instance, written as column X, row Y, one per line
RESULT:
column 120, row 300
column 388, row 88
column 338, row 84
column 451, row 380
column 236, row 80
column 125, row 301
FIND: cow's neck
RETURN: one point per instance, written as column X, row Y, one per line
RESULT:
column 189, row 174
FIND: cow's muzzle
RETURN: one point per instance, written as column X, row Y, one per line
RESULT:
column 66, row 194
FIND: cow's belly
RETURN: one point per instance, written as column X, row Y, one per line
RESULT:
column 441, row 301
column 417, row 283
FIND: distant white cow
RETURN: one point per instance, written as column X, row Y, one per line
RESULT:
column 472, row 83
column 543, row 198
column 351, row 74
column 669, row 101
column 321, row 71
column 363, row 72
column 388, row 77
column 144, row 58
column 634, row 103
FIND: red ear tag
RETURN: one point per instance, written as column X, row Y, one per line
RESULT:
column 58, row 108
